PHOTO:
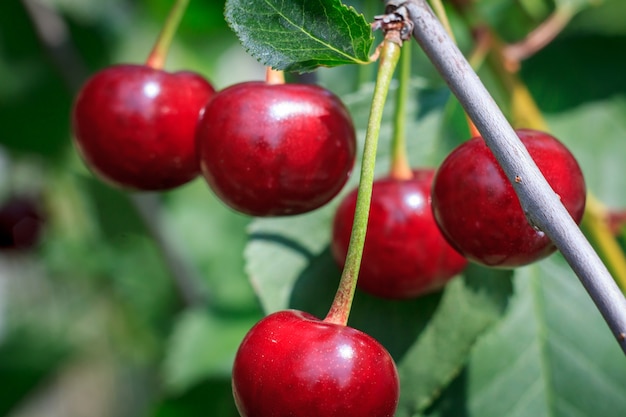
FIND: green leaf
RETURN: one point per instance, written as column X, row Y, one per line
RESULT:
column 576, row 5
column 202, row 346
column 211, row 397
column 552, row 355
column 26, row 359
column 594, row 132
column 605, row 17
column 598, row 74
column 300, row 36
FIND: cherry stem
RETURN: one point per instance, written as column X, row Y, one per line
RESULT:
column 400, row 167
column 440, row 12
column 541, row 205
column 157, row 56
column 541, row 36
column 273, row 76
column 340, row 308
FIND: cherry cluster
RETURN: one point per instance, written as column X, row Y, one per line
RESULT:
column 276, row 149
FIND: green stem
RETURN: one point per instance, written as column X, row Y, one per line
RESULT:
column 400, row 167
column 440, row 11
column 157, row 56
column 340, row 309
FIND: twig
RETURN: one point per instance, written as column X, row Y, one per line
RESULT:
column 541, row 205
column 540, row 37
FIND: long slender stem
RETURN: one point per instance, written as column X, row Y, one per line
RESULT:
column 340, row 309
column 542, row 35
column 157, row 56
column 440, row 12
column 400, row 167
column 541, row 205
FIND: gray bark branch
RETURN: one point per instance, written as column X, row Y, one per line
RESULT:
column 542, row 206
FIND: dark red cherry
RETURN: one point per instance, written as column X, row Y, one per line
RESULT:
column 293, row 364
column 21, row 221
column 135, row 126
column 478, row 211
column 405, row 254
column 276, row 149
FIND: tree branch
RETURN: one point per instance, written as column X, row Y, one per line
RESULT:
column 541, row 205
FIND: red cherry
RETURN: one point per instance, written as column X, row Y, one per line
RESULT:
column 293, row 364
column 276, row 149
column 135, row 126
column 405, row 254
column 478, row 211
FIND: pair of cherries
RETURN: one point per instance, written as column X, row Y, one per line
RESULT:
column 265, row 149
column 422, row 230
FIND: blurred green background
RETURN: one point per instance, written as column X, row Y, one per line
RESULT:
column 133, row 305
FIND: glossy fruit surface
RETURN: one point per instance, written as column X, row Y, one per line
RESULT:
column 478, row 211
column 135, row 126
column 21, row 221
column 276, row 149
column 293, row 364
column 405, row 254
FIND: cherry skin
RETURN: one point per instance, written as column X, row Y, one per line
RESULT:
column 275, row 149
column 478, row 211
column 405, row 255
column 293, row 364
column 135, row 126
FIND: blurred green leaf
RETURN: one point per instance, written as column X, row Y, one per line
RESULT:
column 606, row 17
column 212, row 397
column 595, row 132
column 26, row 359
column 211, row 237
column 574, row 70
column 300, row 36
column 202, row 346
column 34, row 101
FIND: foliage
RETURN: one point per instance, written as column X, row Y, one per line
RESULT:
column 99, row 287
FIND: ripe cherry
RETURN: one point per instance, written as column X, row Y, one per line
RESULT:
column 293, row 364
column 478, row 211
column 135, row 125
column 405, row 254
column 275, row 149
